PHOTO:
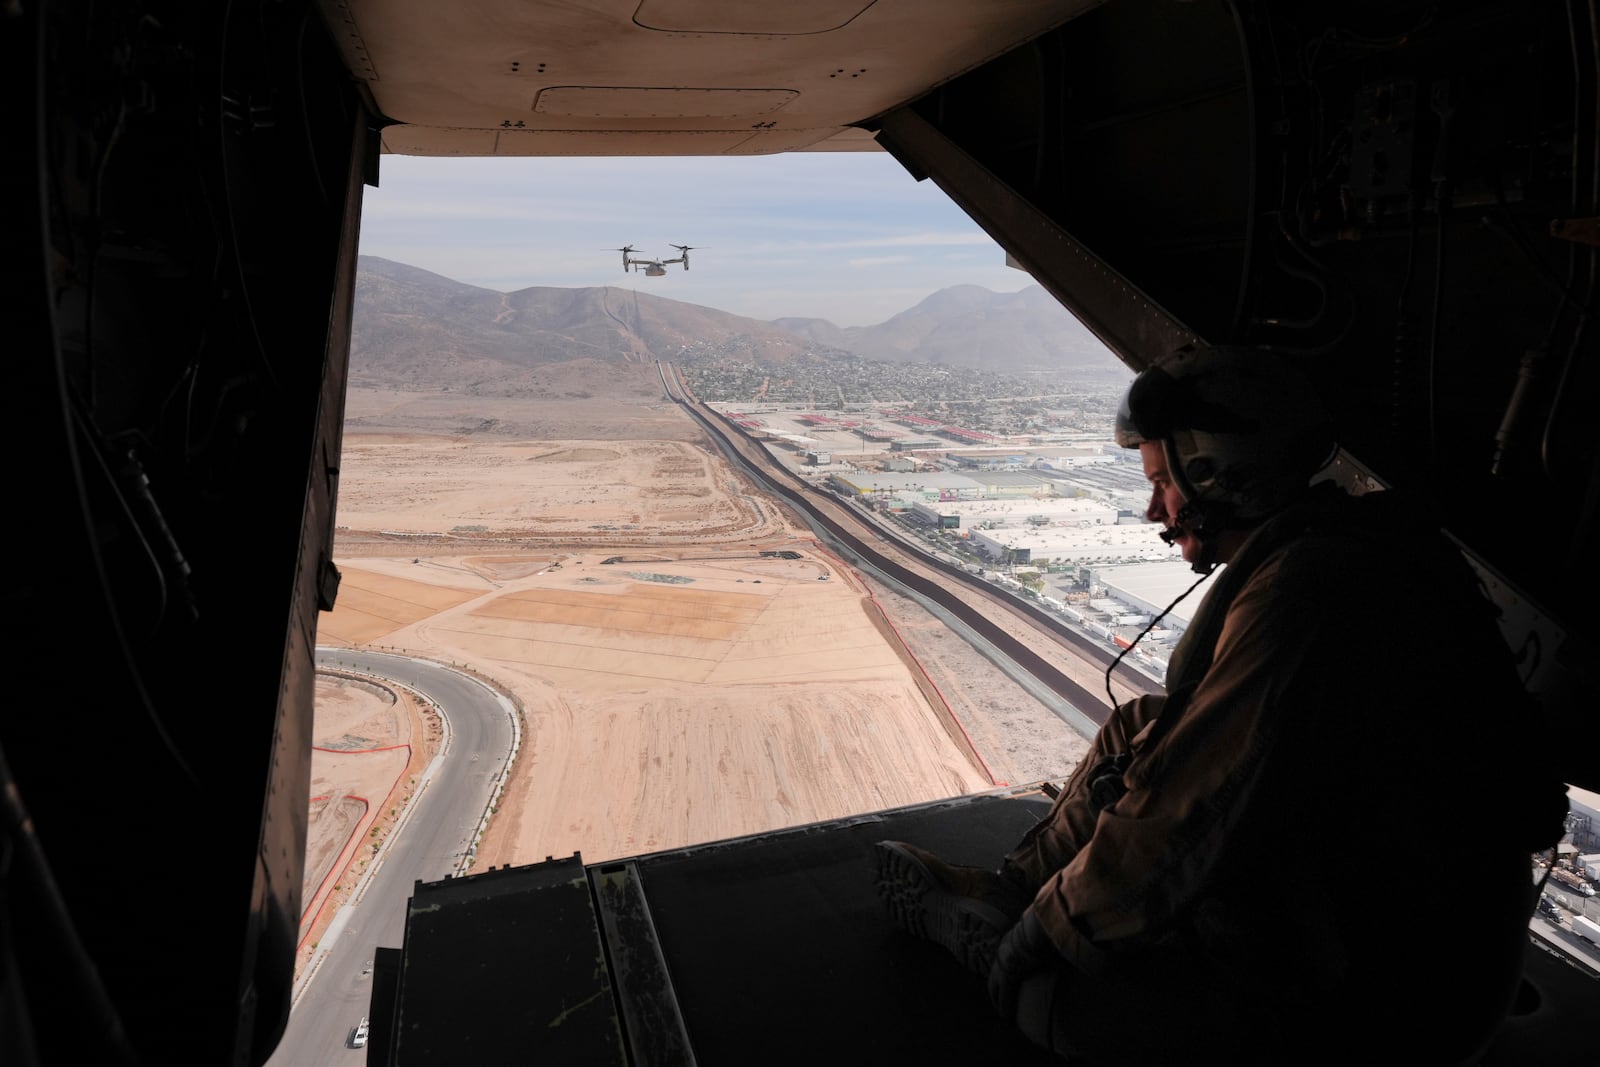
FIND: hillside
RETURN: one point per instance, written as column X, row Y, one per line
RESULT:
column 422, row 331
column 419, row 331
column 969, row 326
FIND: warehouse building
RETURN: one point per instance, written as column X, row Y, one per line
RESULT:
column 1149, row 587
column 1107, row 543
column 915, row 485
column 988, row 460
column 1014, row 511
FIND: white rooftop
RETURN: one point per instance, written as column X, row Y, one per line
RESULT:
column 1056, row 509
column 1155, row 585
column 1084, row 542
column 892, row 481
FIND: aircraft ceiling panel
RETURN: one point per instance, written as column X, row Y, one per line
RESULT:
column 438, row 141
column 741, row 16
column 623, row 101
column 666, row 68
column 407, row 140
column 849, row 139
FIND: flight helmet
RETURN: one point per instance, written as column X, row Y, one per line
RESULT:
column 1242, row 428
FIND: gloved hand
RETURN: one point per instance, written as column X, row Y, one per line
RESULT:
column 1024, row 951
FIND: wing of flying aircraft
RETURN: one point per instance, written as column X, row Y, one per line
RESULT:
column 1403, row 193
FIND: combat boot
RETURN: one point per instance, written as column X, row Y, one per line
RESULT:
column 965, row 910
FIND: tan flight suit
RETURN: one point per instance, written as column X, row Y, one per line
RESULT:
column 1269, row 865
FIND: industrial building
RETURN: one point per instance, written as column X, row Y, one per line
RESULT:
column 1051, row 511
column 1067, row 459
column 942, row 485
column 1123, row 542
column 990, row 460
column 1583, row 819
column 1150, row 587
column 920, row 485
column 999, row 485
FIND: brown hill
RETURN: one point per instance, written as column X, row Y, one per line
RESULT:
column 970, row 326
column 421, row 332
column 415, row 330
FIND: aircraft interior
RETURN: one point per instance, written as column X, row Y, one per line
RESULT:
column 1404, row 196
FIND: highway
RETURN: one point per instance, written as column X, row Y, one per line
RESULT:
column 1057, row 657
column 433, row 839
column 1563, row 939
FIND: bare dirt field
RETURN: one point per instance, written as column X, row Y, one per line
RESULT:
column 689, row 663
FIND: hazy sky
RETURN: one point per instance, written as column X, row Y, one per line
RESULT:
column 843, row 236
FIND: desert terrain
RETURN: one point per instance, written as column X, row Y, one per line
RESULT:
column 688, row 662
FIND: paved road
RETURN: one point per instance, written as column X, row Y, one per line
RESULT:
column 1071, row 685
column 1063, row 659
column 431, row 842
column 1565, row 940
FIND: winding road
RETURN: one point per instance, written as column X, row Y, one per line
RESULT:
column 435, row 838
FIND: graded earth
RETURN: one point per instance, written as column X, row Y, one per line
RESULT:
column 689, row 663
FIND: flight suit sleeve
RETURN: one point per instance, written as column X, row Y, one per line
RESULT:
column 1057, row 838
column 1151, row 851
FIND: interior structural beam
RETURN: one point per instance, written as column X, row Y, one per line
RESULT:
column 1126, row 320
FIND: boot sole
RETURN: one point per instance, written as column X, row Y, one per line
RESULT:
column 919, row 904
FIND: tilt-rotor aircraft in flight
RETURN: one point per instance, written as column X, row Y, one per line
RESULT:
column 1402, row 194
column 653, row 268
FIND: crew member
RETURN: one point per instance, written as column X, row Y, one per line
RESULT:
column 1249, row 868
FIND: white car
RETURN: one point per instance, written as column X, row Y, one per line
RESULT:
column 358, row 1036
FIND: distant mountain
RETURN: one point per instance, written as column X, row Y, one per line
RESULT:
column 417, row 330
column 969, row 326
